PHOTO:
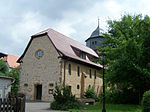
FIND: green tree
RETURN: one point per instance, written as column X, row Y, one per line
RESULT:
column 3, row 68
column 14, row 73
column 127, row 53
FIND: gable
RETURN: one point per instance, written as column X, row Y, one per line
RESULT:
column 42, row 43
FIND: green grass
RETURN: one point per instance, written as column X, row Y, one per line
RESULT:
column 110, row 108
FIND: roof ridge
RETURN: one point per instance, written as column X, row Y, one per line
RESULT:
column 72, row 40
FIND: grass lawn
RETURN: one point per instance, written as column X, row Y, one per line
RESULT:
column 110, row 108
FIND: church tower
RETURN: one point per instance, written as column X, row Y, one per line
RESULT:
column 96, row 39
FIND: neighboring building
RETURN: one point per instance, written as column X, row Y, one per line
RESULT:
column 5, row 86
column 49, row 58
column 96, row 39
column 10, row 60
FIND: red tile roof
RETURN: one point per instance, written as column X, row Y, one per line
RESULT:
column 63, row 45
column 11, row 60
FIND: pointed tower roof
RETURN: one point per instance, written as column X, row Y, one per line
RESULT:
column 97, row 32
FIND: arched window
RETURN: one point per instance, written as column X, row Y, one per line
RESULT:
column 69, row 69
column 90, row 73
column 95, row 74
column 78, row 71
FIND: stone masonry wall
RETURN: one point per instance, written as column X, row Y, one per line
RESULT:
column 45, row 70
column 73, row 80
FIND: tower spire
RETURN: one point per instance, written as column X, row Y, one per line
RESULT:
column 98, row 21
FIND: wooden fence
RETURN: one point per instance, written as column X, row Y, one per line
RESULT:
column 14, row 103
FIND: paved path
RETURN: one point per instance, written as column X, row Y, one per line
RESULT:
column 39, row 107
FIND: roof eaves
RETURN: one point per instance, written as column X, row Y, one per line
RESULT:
column 82, row 62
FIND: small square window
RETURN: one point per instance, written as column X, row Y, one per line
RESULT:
column 51, row 84
column 25, row 85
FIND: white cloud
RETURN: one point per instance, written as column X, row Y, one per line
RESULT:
column 76, row 19
column 29, row 24
column 112, row 7
column 65, row 28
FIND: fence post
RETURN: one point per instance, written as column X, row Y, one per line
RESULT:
column 0, row 104
column 11, row 104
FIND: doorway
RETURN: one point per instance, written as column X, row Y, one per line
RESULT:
column 38, row 91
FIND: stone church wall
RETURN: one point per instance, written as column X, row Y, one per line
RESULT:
column 44, row 71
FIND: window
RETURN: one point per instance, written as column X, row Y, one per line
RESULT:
column 95, row 74
column 25, row 85
column 82, row 55
column 78, row 71
column 90, row 73
column 51, row 84
column 89, row 86
column 69, row 69
column 95, row 42
column 39, row 53
column 70, row 88
column 79, row 53
column 78, row 87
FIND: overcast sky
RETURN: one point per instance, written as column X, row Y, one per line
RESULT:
column 19, row 19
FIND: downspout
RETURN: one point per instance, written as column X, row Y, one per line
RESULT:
column 64, row 72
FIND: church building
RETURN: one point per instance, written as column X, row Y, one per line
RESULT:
column 51, row 57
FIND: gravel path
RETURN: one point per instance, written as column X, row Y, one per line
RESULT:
column 39, row 107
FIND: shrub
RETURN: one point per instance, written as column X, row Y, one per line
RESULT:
column 90, row 93
column 120, row 97
column 146, row 102
column 63, row 99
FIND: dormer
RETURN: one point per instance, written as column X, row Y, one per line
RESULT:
column 83, row 54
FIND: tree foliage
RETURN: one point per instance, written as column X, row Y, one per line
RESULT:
column 14, row 73
column 127, row 53
column 3, row 68
column 146, row 102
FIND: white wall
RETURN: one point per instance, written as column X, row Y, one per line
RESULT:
column 5, row 87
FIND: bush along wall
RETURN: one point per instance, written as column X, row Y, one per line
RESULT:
column 146, row 102
column 63, row 99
